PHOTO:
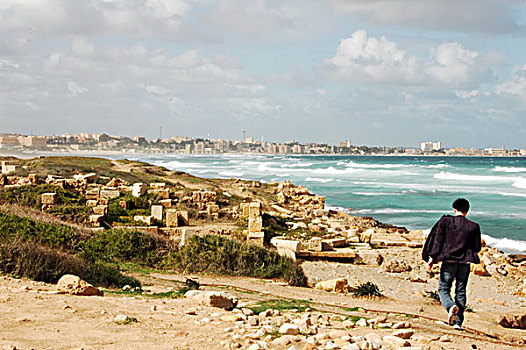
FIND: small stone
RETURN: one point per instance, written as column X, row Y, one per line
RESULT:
column 362, row 322
column 65, row 307
column 255, row 346
column 444, row 339
column 396, row 341
column 288, row 328
column 399, row 325
column 348, row 324
column 247, row 312
column 205, row 320
column 153, row 308
column 374, row 339
column 330, row 345
column 190, row 311
column 103, row 312
column 350, row 347
column 404, row 334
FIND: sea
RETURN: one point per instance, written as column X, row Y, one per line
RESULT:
column 409, row 191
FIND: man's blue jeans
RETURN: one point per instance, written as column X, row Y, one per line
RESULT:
column 450, row 272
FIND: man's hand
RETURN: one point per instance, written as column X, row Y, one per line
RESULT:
column 429, row 265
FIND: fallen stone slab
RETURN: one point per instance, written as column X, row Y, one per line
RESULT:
column 338, row 285
column 74, row 285
column 214, row 299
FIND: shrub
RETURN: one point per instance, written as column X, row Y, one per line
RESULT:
column 224, row 256
column 126, row 245
column 367, row 289
column 41, row 263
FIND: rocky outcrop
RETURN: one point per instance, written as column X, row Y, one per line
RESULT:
column 74, row 285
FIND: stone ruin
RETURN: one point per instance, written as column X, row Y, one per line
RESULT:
column 255, row 233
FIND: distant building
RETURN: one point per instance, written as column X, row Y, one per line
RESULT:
column 33, row 141
column 7, row 141
column 430, row 146
column 346, row 143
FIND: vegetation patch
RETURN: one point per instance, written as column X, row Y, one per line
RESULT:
column 42, row 263
column 432, row 295
column 293, row 304
column 223, row 256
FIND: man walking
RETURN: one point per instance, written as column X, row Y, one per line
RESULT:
column 455, row 241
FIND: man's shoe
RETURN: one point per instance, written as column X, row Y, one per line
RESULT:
column 457, row 327
column 452, row 318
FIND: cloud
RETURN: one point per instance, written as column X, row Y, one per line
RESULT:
column 515, row 85
column 361, row 59
column 467, row 94
column 489, row 16
column 364, row 59
column 75, row 89
column 95, row 17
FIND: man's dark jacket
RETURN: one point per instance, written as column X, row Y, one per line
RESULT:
column 453, row 238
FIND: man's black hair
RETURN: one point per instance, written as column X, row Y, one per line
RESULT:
column 461, row 205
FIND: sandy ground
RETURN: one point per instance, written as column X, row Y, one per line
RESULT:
column 33, row 316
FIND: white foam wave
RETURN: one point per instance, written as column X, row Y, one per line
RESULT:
column 438, row 166
column 444, row 175
column 377, row 193
column 317, row 179
column 520, row 183
column 352, row 164
column 397, row 211
column 230, row 173
column 507, row 245
column 177, row 165
column 506, row 169
column 297, row 165
column 509, row 194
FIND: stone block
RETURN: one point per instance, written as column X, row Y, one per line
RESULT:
column 157, row 212
column 93, row 193
column 92, row 203
column 148, row 220
column 372, row 258
column 285, row 247
column 158, row 186
column 96, row 220
column 163, row 193
column 255, row 224
column 100, row 210
column 212, row 209
column 48, row 198
column 138, row 189
column 256, row 238
column 315, row 244
column 254, row 210
column 109, row 194
column 172, row 218
column 336, row 242
column 338, row 285
column 215, row 299
column 513, row 320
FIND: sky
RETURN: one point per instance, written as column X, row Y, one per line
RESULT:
column 376, row 72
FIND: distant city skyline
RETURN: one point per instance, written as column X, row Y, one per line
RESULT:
column 383, row 73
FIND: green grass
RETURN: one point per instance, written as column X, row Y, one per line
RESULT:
column 355, row 318
column 351, row 309
column 300, row 305
column 432, row 295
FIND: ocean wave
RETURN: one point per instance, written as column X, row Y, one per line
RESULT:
column 510, row 194
column 317, row 179
column 520, row 183
column 507, row 245
column 377, row 193
column 438, row 166
column 177, row 165
column 297, row 165
column 506, row 169
column 398, row 211
column 352, row 164
column 444, row 175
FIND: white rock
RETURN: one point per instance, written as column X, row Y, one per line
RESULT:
column 288, row 328
column 403, row 333
column 362, row 322
column 350, row 347
column 215, row 299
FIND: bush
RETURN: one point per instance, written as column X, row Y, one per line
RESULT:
column 126, row 245
column 367, row 289
column 223, row 256
column 51, row 234
column 41, row 263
